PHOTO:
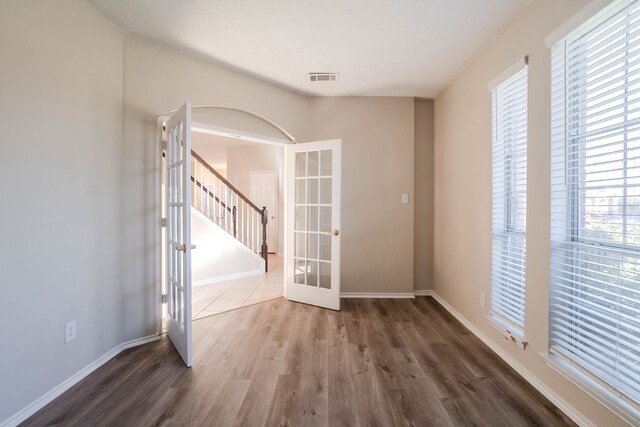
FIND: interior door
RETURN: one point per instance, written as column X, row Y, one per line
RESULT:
column 178, row 230
column 313, row 223
column 263, row 189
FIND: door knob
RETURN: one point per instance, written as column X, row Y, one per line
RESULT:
column 335, row 232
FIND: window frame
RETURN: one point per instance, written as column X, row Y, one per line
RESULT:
column 590, row 377
column 508, row 229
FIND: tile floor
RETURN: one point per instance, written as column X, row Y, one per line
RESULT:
column 208, row 300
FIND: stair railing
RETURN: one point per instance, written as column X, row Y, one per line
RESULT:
column 224, row 204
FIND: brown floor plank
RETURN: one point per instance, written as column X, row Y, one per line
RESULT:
column 375, row 363
column 342, row 398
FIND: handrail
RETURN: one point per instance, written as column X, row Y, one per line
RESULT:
column 213, row 196
column 227, row 183
column 199, row 184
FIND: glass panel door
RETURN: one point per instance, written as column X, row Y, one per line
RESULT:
column 177, row 201
column 313, row 264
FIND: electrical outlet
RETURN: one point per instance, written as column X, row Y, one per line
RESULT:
column 404, row 198
column 483, row 299
column 70, row 331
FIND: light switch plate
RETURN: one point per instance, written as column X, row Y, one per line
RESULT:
column 70, row 331
column 404, row 198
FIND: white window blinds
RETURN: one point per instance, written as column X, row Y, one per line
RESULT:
column 509, row 197
column 595, row 198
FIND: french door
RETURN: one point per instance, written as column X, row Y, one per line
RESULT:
column 177, row 199
column 313, row 223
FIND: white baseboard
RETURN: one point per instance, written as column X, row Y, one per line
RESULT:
column 562, row 404
column 416, row 293
column 423, row 292
column 49, row 396
column 376, row 295
column 139, row 341
column 219, row 279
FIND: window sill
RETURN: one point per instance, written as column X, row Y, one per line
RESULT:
column 621, row 406
column 508, row 330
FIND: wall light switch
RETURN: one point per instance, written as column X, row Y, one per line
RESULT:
column 483, row 299
column 404, row 198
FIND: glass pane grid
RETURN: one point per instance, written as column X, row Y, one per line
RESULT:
column 312, row 223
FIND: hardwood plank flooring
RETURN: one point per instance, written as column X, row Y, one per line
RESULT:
column 383, row 362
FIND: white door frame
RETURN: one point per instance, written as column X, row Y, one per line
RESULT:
column 212, row 130
column 251, row 173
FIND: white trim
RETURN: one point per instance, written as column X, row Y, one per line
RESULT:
column 233, row 133
column 513, row 69
column 415, row 293
column 376, row 295
column 593, row 387
column 159, row 229
column 590, row 10
column 242, row 110
column 52, row 394
column 234, row 276
column 139, row 341
column 562, row 404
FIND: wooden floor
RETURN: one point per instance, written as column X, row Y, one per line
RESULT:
column 375, row 363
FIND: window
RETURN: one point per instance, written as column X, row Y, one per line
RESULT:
column 595, row 199
column 509, row 197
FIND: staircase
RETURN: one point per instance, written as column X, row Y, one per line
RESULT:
column 225, row 205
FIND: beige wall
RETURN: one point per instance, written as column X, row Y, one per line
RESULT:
column 377, row 166
column 423, row 200
column 259, row 158
column 462, row 261
column 61, row 105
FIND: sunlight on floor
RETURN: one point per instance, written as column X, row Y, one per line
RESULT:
column 219, row 297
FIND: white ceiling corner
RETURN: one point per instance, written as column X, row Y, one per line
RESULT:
column 379, row 47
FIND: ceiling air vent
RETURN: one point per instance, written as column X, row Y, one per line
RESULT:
column 323, row 77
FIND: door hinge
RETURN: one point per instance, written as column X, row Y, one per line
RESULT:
column 164, row 298
column 163, row 222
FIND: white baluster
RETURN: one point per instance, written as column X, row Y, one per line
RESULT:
column 226, row 210
column 208, row 194
column 216, row 207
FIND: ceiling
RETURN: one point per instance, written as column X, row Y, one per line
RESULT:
column 379, row 47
